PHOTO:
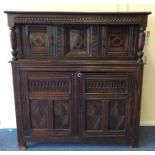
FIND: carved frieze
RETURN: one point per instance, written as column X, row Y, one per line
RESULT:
column 49, row 85
column 78, row 19
column 105, row 86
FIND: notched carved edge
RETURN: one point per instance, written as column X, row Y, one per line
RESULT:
column 77, row 19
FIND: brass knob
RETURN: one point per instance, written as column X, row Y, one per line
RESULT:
column 79, row 75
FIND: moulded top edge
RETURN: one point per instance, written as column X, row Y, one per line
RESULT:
column 89, row 13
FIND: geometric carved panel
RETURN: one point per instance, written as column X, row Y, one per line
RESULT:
column 37, row 39
column 116, row 42
column 93, row 116
column 116, row 115
column 39, row 114
column 104, row 115
column 49, row 85
column 38, row 43
column 61, row 114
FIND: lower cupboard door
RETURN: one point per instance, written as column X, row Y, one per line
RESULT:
column 49, row 104
column 104, row 104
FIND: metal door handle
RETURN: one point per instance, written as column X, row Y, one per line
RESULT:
column 78, row 75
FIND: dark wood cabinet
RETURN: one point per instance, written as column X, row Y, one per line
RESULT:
column 77, row 76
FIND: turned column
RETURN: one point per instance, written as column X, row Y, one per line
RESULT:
column 13, row 39
column 141, row 43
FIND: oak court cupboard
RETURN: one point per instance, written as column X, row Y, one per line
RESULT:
column 77, row 75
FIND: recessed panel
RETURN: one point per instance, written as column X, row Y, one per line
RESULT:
column 39, row 114
column 93, row 115
column 77, row 45
column 116, row 42
column 61, row 114
column 116, row 115
column 77, row 40
column 38, row 41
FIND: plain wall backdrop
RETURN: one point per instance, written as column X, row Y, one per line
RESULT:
column 7, row 110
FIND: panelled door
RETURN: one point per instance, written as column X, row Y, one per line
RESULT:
column 104, row 104
column 48, row 103
column 70, row 103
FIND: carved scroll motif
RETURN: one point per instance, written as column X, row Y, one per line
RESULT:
column 13, row 39
column 141, row 45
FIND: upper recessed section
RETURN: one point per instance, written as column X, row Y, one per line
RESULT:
column 77, row 18
column 86, row 35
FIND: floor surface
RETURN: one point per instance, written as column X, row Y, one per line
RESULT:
column 8, row 142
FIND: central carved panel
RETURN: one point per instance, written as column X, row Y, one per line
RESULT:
column 77, row 40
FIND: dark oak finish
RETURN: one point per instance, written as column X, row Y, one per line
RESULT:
column 77, row 76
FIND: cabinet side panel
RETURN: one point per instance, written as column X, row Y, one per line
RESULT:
column 18, row 105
